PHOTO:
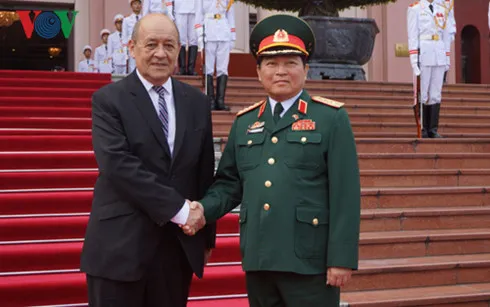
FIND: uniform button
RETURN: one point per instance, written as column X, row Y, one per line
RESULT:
column 267, row 207
column 271, row 161
column 274, row 140
column 268, row 184
column 249, row 142
column 303, row 139
column 315, row 221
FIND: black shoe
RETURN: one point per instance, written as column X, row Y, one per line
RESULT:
column 425, row 120
column 434, row 121
column 220, row 92
column 191, row 60
column 182, row 61
column 210, row 91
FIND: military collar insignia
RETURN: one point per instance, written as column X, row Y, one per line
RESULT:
column 302, row 106
column 262, row 109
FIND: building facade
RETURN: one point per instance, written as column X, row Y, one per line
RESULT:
column 470, row 51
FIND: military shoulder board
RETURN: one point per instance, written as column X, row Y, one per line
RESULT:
column 250, row 108
column 328, row 102
column 414, row 4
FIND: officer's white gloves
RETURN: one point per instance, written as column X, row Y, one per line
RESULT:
column 415, row 64
column 200, row 38
column 232, row 45
column 448, row 62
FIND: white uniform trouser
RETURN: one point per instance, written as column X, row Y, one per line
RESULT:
column 185, row 24
column 217, row 53
column 120, row 69
column 132, row 64
column 431, row 79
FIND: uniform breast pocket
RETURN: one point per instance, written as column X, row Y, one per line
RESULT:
column 304, row 150
column 250, row 151
column 311, row 232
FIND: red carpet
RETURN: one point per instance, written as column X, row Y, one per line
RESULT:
column 47, row 173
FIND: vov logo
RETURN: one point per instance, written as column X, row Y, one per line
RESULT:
column 47, row 24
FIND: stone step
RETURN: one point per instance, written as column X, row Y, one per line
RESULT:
column 464, row 295
column 411, row 161
column 422, row 243
column 424, row 178
column 404, row 219
column 423, row 197
column 420, row 272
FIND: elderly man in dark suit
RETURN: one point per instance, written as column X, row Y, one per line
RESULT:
column 152, row 137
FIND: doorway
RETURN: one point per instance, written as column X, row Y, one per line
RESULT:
column 470, row 55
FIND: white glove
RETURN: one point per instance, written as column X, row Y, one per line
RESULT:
column 415, row 65
column 232, row 45
column 200, row 38
column 448, row 62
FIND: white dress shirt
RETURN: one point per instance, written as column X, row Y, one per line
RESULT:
column 183, row 214
column 286, row 104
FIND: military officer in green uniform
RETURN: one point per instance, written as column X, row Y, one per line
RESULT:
column 291, row 163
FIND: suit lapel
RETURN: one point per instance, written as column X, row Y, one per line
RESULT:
column 181, row 114
column 144, row 104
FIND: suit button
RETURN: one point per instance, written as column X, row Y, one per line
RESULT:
column 267, row 207
column 249, row 142
column 268, row 184
column 315, row 221
column 271, row 161
column 304, row 139
column 274, row 140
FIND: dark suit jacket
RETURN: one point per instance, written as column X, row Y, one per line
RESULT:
column 140, row 187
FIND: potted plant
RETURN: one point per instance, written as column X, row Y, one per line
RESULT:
column 343, row 45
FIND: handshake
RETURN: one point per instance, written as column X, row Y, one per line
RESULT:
column 195, row 220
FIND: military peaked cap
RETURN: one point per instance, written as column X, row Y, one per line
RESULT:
column 282, row 35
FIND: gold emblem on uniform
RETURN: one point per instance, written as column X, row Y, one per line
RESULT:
column 281, row 36
column 304, row 125
column 256, row 127
column 295, row 116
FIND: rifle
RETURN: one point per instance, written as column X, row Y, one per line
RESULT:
column 417, row 106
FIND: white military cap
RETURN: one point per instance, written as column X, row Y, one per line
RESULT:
column 86, row 47
column 118, row 17
column 104, row 31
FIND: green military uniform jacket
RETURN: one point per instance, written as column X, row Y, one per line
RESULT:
column 298, row 186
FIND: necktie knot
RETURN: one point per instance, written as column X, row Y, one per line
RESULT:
column 159, row 89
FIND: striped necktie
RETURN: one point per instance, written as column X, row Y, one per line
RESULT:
column 162, row 108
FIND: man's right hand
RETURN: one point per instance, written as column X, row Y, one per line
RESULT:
column 200, row 38
column 195, row 220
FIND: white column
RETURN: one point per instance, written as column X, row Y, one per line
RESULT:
column 242, row 12
column 81, row 29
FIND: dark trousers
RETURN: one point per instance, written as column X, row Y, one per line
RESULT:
column 166, row 283
column 282, row 289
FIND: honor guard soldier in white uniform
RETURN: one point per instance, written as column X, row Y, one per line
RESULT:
column 116, row 48
column 88, row 64
column 158, row 6
column 218, row 19
column 429, row 47
column 185, row 15
column 451, row 22
column 102, row 56
column 127, row 31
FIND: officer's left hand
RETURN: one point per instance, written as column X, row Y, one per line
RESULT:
column 338, row 277
column 232, row 45
column 448, row 62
